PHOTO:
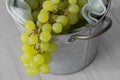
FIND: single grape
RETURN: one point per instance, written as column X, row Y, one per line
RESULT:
column 81, row 3
column 53, row 47
column 30, row 26
column 27, row 49
column 33, row 4
column 24, row 37
column 55, row 1
column 48, row 57
column 33, row 39
column 55, row 8
column 73, row 9
column 25, row 58
column 62, row 20
column 66, row 28
column 34, row 65
column 45, row 68
column 33, row 72
column 47, row 27
column 57, row 27
column 39, row 59
column 44, row 11
column 72, row 1
column 47, row 5
column 44, row 46
column 54, row 17
column 45, row 36
column 35, row 14
column 27, row 66
column 43, row 17
column 38, row 24
column 72, row 19
column 40, row 1
column 63, row 4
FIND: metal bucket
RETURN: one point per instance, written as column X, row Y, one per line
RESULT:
column 77, row 50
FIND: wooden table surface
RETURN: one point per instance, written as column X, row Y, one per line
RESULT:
column 106, row 66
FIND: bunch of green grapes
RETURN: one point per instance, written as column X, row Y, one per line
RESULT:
column 51, row 17
column 37, row 49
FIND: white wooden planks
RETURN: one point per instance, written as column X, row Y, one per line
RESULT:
column 106, row 66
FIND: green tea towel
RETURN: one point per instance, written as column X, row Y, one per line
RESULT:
column 19, row 10
column 94, row 9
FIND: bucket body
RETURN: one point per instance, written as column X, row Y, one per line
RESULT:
column 74, row 56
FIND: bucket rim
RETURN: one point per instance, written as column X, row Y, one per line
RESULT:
column 87, row 27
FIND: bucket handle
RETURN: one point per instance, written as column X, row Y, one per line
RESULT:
column 94, row 34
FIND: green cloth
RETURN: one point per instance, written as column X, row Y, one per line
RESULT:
column 94, row 9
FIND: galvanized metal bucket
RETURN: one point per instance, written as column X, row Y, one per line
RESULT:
column 77, row 50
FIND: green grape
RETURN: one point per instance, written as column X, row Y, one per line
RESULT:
column 38, row 24
column 27, row 49
column 73, row 9
column 43, row 17
column 62, row 20
column 66, row 28
column 27, row 66
column 35, row 14
column 47, row 27
column 54, row 17
column 44, row 11
column 30, row 26
column 63, row 4
column 33, row 72
column 81, row 3
column 45, row 36
column 55, row 8
column 25, row 58
column 72, row 1
column 34, row 65
column 44, row 46
column 33, row 39
column 33, row 4
column 57, row 27
column 55, row 1
column 40, row 1
column 47, row 5
column 24, row 37
column 45, row 68
column 48, row 57
column 39, row 59
column 53, row 47
column 72, row 19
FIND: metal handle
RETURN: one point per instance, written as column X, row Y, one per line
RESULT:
column 95, row 34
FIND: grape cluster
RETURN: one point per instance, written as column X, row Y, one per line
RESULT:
column 51, row 17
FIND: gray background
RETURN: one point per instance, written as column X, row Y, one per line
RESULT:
column 106, row 66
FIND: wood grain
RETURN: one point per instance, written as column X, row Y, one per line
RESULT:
column 106, row 65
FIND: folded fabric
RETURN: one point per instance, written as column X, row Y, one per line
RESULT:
column 94, row 9
column 19, row 10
